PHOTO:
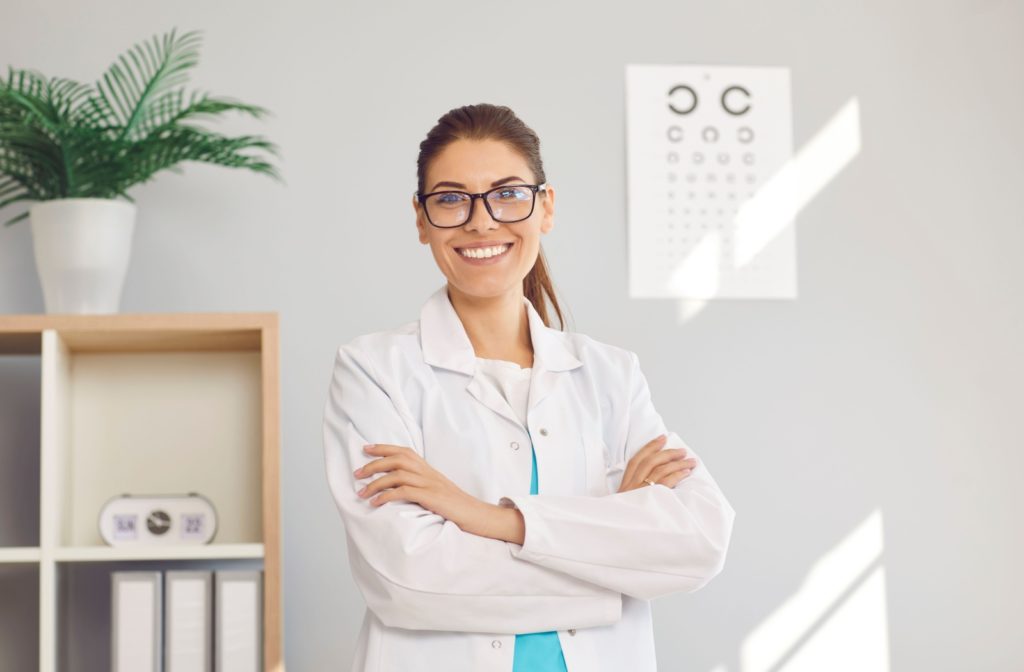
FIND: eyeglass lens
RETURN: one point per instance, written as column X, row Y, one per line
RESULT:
column 507, row 204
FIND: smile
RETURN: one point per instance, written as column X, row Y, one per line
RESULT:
column 484, row 255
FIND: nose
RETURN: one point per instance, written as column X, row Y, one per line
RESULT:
column 480, row 219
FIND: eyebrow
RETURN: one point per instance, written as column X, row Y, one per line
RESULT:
column 462, row 186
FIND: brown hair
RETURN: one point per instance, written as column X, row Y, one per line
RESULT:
column 495, row 122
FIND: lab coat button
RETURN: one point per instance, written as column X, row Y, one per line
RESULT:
column 572, row 631
column 543, row 431
column 496, row 643
column 514, row 445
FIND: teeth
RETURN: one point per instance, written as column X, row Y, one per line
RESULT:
column 482, row 252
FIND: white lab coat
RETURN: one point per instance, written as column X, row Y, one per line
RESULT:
column 439, row 598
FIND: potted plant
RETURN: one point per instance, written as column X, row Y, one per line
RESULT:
column 73, row 150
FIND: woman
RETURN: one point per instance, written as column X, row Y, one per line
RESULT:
column 511, row 498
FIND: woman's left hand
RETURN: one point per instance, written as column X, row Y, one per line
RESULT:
column 408, row 476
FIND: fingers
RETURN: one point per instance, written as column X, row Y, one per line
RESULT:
column 394, row 479
column 655, row 460
column 650, row 447
column 673, row 479
column 375, row 466
column 396, row 460
column 669, row 455
column 673, row 468
column 405, row 492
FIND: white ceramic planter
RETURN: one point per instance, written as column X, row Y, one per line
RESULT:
column 82, row 247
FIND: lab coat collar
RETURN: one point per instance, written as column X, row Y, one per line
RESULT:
column 445, row 343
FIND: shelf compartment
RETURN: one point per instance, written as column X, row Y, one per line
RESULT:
column 19, row 441
column 19, row 616
column 85, row 609
column 151, row 422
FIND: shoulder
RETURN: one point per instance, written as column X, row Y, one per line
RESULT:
column 383, row 340
column 599, row 354
column 374, row 350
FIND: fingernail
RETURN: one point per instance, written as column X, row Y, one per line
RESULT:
column 358, row 472
column 360, row 493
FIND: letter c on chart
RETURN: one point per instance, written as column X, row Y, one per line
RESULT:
column 692, row 102
column 725, row 104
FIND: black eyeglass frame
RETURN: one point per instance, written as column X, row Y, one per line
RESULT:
column 482, row 195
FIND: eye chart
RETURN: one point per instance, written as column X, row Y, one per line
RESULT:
column 703, row 146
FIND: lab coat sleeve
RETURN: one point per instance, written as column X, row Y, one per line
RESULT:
column 646, row 542
column 416, row 569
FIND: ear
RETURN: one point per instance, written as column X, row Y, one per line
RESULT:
column 548, row 204
column 421, row 226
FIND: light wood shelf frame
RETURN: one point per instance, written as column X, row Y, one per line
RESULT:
column 56, row 338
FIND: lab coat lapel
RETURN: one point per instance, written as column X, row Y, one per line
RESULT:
column 551, row 357
column 446, row 345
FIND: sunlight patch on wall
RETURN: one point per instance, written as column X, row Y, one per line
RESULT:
column 773, row 207
column 776, row 203
column 836, row 620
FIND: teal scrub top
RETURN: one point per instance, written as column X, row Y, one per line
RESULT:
column 538, row 651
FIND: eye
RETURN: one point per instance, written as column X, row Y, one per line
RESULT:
column 511, row 194
column 448, row 199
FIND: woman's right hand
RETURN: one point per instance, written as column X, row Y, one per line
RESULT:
column 667, row 467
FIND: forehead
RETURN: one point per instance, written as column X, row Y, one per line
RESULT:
column 476, row 164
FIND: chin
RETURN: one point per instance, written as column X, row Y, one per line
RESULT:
column 486, row 288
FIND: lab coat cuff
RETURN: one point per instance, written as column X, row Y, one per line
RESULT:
column 533, row 523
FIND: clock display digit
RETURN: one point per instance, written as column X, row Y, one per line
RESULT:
column 193, row 525
column 126, row 526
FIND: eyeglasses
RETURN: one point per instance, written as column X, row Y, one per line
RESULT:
column 507, row 204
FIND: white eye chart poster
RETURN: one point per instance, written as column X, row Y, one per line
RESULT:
column 703, row 145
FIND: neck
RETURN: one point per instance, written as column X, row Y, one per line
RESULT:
column 497, row 326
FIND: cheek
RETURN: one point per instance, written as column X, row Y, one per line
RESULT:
column 440, row 253
column 529, row 248
column 438, row 245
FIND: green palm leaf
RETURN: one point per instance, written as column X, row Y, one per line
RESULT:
column 131, row 85
column 60, row 138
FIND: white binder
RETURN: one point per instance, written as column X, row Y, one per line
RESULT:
column 238, row 621
column 137, row 621
column 188, row 619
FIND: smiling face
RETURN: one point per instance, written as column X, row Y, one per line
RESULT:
column 476, row 166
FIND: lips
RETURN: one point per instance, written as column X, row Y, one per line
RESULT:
column 479, row 261
column 476, row 245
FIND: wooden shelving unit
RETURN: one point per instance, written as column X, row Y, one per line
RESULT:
column 146, row 403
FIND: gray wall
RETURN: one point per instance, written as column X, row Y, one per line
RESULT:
column 889, row 392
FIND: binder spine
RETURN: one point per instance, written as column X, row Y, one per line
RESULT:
column 188, row 641
column 137, row 621
column 238, row 621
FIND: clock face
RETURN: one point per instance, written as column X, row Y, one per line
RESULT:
column 158, row 522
